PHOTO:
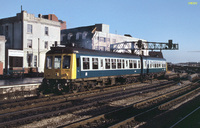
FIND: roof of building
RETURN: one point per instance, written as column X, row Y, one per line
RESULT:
column 79, row 29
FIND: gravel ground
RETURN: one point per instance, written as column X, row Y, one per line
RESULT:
column 174, row 114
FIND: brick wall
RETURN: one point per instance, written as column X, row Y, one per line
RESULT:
column 52, row 17
column 63, row 25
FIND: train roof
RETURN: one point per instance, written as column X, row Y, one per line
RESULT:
column 82, row 51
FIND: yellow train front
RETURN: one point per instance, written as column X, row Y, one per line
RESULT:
column 75, row 69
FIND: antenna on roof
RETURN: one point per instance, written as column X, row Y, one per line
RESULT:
column 21, row 8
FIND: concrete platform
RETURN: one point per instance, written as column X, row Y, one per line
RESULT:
column 18, row 81
column 18, row 91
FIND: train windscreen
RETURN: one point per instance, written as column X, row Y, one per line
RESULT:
column 49, row 62
column 66, row 62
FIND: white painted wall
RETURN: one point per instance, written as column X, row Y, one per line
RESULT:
column 113, row 38
column 2, row 50
column 38, row 38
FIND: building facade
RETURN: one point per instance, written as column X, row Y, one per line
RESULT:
column 2, row 51
column 28, row 39
column 95, row 37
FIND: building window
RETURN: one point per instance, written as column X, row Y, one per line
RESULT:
column 29, row 60
column 114, row 40
column 29, row 28
column 102, row 48
column 46, row 44
column 78, row 34
column 35, row 61
column 104, row 39
column 84, row 35
column 69, row 36
column 29, row 43
column 86, row 63
column 16, row 61
column 101, row 39
column 46, row 31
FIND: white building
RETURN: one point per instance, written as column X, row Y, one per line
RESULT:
column 96, row 37
column 28, row 39
column 2, row 50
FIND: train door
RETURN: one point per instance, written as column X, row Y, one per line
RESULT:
column 101, row 64
column 78, row 64
column 148, row 66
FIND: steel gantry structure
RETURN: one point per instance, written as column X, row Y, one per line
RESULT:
column 135, row 47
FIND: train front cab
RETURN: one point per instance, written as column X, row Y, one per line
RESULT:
column 59, row 69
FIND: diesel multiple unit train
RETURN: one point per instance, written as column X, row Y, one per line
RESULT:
column 75, row 69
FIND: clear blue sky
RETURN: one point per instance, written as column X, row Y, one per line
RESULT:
column 152, row 20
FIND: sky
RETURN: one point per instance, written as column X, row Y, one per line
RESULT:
column 152, row 20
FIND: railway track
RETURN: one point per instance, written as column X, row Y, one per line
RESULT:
column 19, row 117
column 134, row 114
column 22, row 105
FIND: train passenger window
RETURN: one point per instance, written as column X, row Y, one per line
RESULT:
column 94, row 63
column 57, row 62
column 163, row 65
column 135, row 64
column 139, row 64
column 123, row 65
column 49, row 62
column 66, row 62
column 101, row 63
column 119, row 64
column 113, row 61
column 107, row 63
column 86, row 63
column 145, row 64
column 130, row 63
column 126, row 63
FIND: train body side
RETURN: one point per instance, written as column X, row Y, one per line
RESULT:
column 102, row 70
column 75, row 70
column 150, row 65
